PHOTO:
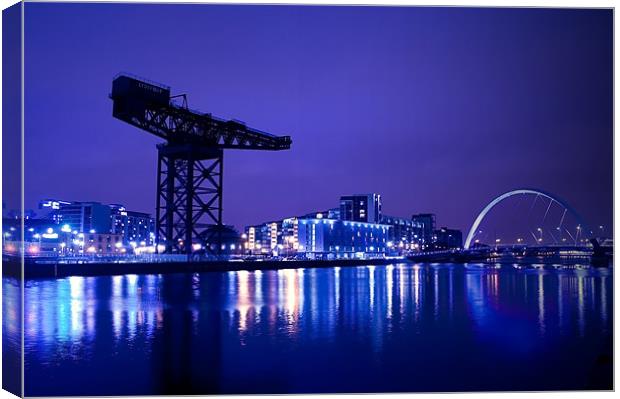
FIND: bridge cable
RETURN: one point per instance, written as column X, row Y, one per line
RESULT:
column 552, row 236
column 571, row 236
column 549, row 207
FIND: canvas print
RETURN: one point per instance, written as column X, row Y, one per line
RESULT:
column 282, row 199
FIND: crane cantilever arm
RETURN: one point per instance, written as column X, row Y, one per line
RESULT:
column 148, row 107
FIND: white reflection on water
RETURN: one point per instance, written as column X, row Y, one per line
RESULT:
column 436, row 293
column 243, row 298
column 371, row 287
column 541, row 303
column 580, row 304
column 417, row 290
column 389, row 273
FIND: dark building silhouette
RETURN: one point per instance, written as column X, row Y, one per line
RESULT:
column 446, row 238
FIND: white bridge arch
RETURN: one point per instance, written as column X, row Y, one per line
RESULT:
column 497, row 200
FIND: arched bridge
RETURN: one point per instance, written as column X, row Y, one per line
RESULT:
column 552, row 198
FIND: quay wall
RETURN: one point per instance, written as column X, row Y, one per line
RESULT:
column 12, row 267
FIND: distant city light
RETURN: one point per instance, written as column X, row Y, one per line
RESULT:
column 66, row 228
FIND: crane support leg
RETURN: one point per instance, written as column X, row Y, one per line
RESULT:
column 189, row 199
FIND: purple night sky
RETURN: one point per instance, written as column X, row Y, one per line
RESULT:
column 439, row 110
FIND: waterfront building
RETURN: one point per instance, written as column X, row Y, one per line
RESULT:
column 356, row 229
column 132, row 226
column 316, row 236
column 101, row 243
column 259, row 238
column 361, row 208
column 81, row 216
column 405, row 234
column 427, row 220
column 325, row 238
column 97, row 218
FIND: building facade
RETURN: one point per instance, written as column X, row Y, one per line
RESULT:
column 364, row 208
column 95, row 218
column 427, row 221
column 405, row 234
column 81, row 216
column 316, row 236
column 137, row 227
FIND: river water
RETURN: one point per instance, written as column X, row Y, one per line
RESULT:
column 388, row 328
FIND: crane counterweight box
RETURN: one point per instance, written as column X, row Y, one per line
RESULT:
column 132, row 95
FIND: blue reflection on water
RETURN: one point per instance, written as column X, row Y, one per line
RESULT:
column 364, row 329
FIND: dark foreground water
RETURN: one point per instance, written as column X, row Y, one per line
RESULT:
column 360, row 329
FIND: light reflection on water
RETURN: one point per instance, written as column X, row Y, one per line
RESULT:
column 358, row 329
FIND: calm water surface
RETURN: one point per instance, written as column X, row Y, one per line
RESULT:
column 361, row 329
